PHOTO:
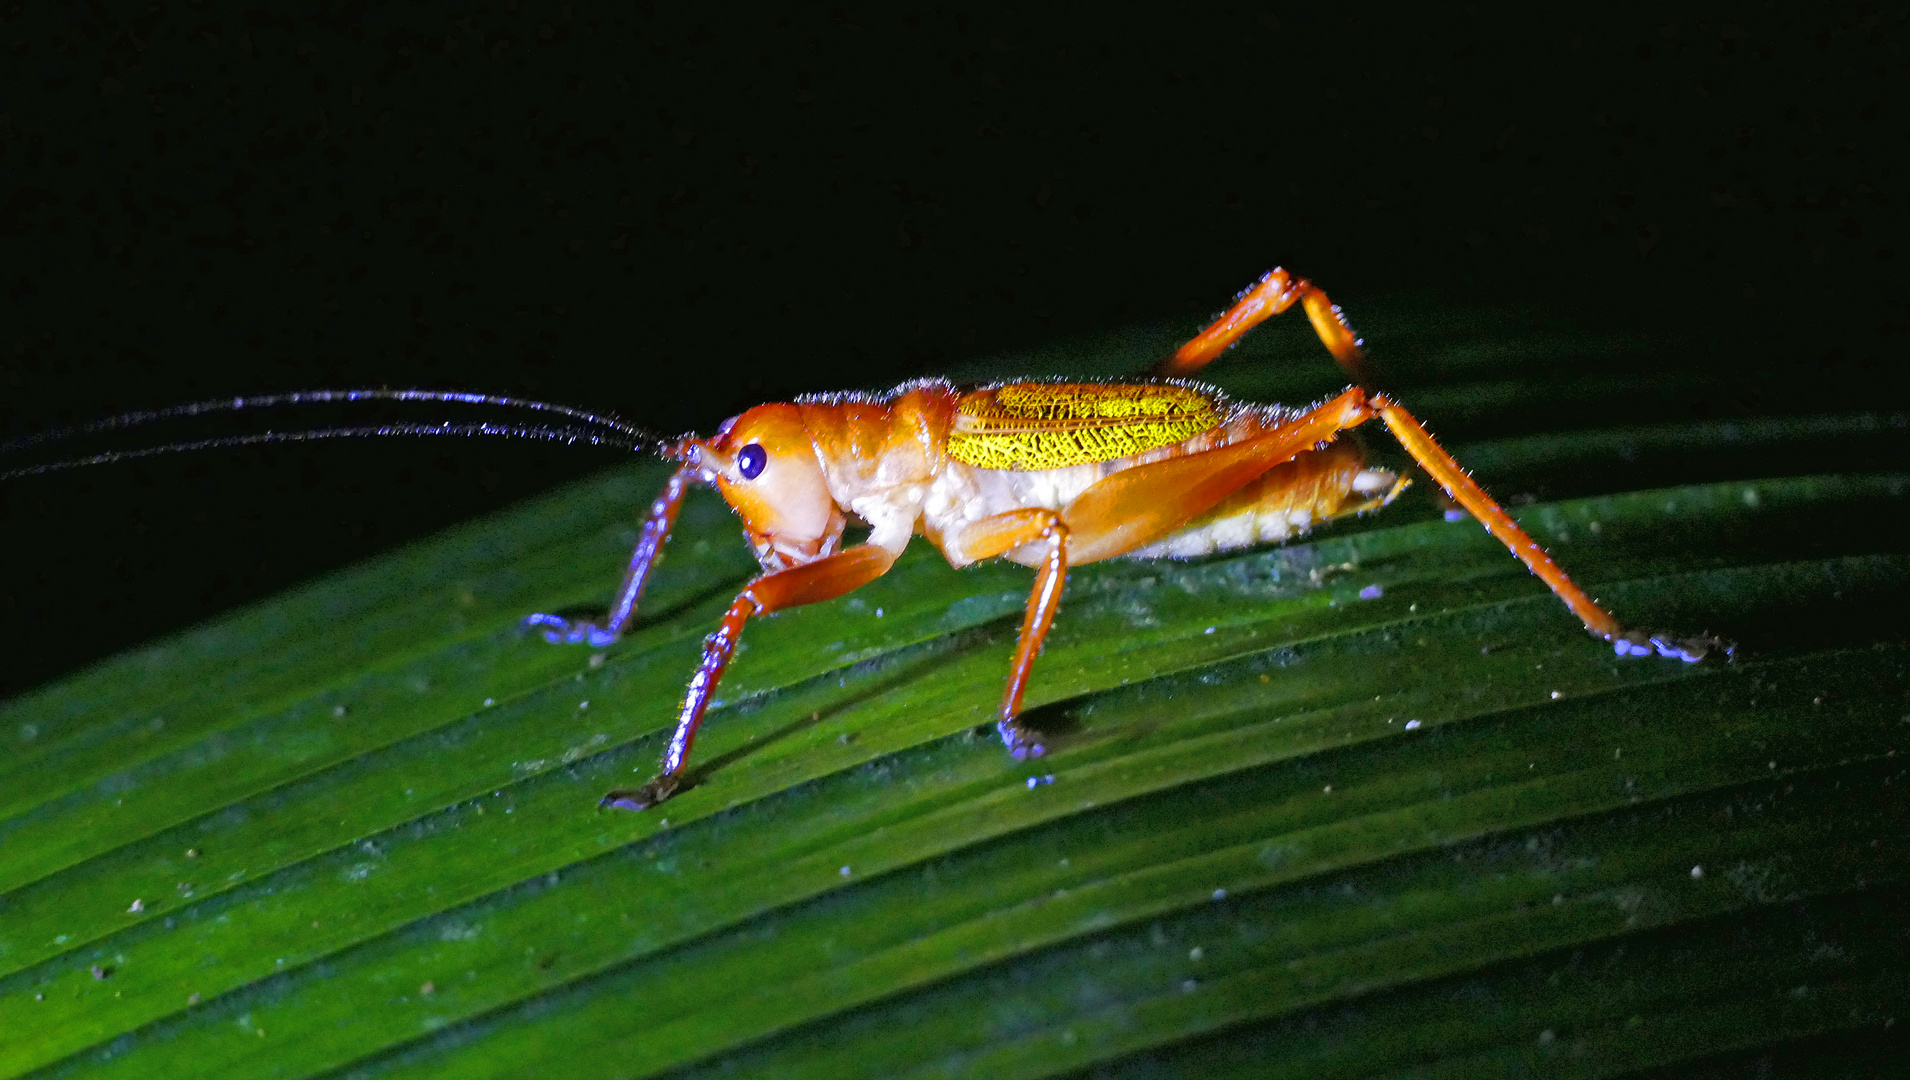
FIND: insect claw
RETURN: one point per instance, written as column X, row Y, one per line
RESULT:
column 1678, row 650
column 1692, row 649
column 1624, row 645
column 642, row 798
column 1689, row 649
column 561, row 631
column 1022, row 744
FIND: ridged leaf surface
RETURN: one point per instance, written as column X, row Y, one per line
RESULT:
column 1367, row 804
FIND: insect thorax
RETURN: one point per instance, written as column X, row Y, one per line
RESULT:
column 1027, row 426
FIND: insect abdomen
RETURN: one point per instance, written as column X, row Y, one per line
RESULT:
column 1287, row 500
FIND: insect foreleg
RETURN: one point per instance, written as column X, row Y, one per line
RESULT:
column 824, row 579
column 657, row 524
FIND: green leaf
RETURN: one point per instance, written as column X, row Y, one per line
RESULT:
column 1366, row 804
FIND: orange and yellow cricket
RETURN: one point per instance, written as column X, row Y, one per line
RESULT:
column 1049, row 475
column 1046, row 474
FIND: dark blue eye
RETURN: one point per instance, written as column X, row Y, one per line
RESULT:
column 751, row 461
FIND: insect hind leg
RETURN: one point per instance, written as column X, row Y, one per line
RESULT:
column 1271, row 295
column 1601, row 623
column 1278, row 291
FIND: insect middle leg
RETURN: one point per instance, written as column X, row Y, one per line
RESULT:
column 810, row 583
column 1119, row 514
column 1004, row 532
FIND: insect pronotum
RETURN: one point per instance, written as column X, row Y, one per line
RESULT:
column 1046, row 474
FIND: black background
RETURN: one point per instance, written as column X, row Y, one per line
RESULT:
column 674, row 216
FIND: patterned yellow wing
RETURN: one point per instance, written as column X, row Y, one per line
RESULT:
column 1029, row 426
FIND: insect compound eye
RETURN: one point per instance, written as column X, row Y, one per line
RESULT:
column 751, row 460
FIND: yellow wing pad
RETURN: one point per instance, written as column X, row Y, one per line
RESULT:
column 1030, row 426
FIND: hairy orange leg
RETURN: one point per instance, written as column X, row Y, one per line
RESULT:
column 1137, row 506
column 1271, row 295
column 1278, row 291
column 810, row 583
column 657, row 524
column 992, row 536
column 1467, row 493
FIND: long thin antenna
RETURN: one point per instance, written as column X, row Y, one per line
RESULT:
column 566, row 435
column 308, row 397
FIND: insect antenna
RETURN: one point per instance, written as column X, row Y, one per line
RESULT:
column 313, row 397
column 587, row 428
column 544, row 433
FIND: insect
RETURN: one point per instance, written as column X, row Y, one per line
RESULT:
column 1046, row 474
column 1049, row 475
